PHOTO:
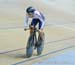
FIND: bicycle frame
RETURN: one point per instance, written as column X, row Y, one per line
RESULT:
column 34, row 37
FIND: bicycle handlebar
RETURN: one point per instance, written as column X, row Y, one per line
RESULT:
column 33, row 29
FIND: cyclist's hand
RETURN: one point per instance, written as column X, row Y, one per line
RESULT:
column 25, row 29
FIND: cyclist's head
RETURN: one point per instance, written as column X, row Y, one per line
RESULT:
column 30, row 10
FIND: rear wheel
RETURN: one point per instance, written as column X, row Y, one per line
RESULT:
column 40, row 45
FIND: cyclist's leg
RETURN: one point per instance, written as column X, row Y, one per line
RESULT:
column 41, row 29
column 41, row 34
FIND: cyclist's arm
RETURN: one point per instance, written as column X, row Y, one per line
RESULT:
column 26, row 21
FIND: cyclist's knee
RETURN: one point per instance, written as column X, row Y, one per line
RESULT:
column 41, row 33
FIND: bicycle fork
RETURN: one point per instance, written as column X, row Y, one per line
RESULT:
column 35, row 40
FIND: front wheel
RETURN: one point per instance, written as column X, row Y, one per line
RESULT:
column 29, row 52
column 29, row 48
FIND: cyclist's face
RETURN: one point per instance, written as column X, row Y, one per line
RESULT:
column 30, row 15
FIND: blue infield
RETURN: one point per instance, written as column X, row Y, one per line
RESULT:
column 67, row 58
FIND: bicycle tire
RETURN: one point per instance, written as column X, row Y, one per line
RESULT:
column 40, row 45
column 29, row 48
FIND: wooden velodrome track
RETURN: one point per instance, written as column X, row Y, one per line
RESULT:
column 59, row 34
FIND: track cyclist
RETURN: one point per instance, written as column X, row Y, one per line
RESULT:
column 37, row 19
